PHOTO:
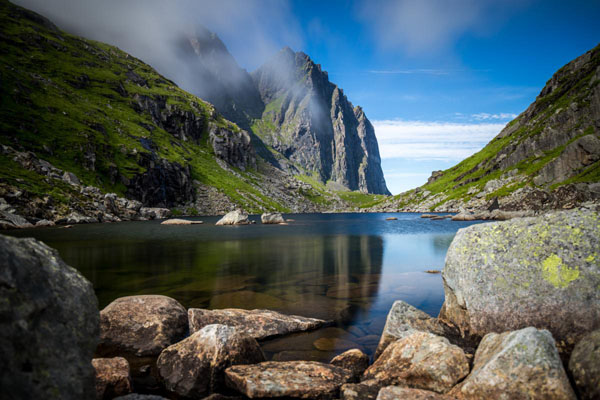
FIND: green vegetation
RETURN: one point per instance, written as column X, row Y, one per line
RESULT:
column 361, row 200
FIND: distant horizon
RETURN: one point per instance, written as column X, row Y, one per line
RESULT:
column 437, row 80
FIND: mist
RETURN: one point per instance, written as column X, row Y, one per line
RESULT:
column 159, row 32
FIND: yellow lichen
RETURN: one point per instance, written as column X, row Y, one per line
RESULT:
column 558, row 274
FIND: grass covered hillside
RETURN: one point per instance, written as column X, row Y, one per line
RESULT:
column 548, row 157
column 82, row 107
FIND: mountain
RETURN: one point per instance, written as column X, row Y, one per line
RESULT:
column 81, row 120
column 310, row 122
column 548, row 157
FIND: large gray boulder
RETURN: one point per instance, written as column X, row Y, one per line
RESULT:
column 272, row 218
column 48, row 324
column 522, row 364
column 236, row 217
column 259, row 324
column 584, row 366
column 194, row 367
column 542, row 272
column 141, row 325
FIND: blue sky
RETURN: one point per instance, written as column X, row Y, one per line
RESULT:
column 437, row 78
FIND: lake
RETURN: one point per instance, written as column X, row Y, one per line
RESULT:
column 349, row 268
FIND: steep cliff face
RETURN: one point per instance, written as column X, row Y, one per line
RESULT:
column 310, row 121
column 548, row 157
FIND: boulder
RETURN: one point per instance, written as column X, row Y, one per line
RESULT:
column 463, row 216
column 421, row 360
column 10, row 221
column 272, row 218
column 112, row 377
column 141, row 325
column 295, row 379
column 177, row 221
column 542, row 272
column 353, row 360
column 237, row 217
column 584, row 366
column 428, row 215
column 48, row 324
column 155, row 212
column 71, row 178
column 403, row 320
column 391, row 219
column 259, row 324
column 400, row 393
column 194, row 367
column 522, row 364
column 365, row 390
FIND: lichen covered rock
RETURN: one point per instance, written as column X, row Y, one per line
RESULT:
column 112, row 377
column 584, row 366
column 421, row 360
column 522, row 364
column 48, row 324
column 353, row 360
column 542, row 272
column 401, row 393
column 194, row 367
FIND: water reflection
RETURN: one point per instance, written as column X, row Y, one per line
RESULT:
column 346, row 268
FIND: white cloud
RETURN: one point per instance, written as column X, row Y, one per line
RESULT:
column 423, row 140
column 499, row 116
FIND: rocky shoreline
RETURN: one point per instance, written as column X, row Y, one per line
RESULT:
column 521, row 319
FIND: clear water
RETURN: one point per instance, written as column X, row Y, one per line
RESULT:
column 344, row 267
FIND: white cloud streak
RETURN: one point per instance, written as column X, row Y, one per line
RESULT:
column 421, row 140
column 422, row 71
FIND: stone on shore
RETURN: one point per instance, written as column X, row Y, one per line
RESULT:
column 259, row 324
column 365, row 390
column 421, row 360
column 584, row 366
column 272, row 218
column 112, row 377
column 48, row 324
column 12, row 221
column 194, row 367
column 177, row 221
column 391, row 219
column 428, row 215
column 295, row 379
column 141, row 325
column 353, row 360
column 154, row 212
column 542, row 272
column 522, row 364
column 237, row 217
column 402, row 321
column 400, row 393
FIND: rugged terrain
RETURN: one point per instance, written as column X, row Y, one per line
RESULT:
column 546, row 158
column 81, row 119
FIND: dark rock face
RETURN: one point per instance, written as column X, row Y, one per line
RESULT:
column 541, row 271
column 521, row 364
column 48, row 324
column 366, row 390
column 584, row 365
column 294, row 379
column 235, row 148
column 259, row 324
column 194, row 367
column 112, row 377
column 315, row 125
column 141, row 325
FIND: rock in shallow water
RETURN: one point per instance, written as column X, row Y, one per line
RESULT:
column 542, row 272
column 522, row 364
column 237, row 217
column 295, row 379
column 178, row 221
column 194, row 367
column 141, row 325
column 353, row 360
column 48, row 324
column 584, row 365
column 421, row 360
column 112, row 377
column 259, row 324
column 272, row 218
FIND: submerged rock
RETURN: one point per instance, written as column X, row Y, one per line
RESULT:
column 194, row 367
column 295, row 379
column 272, row 218
column 259, row 324
column 141, row 325
column 542, row 272
column 177, row 221
column 402, row 321
column 584, row 365
column 523, row 364
column 112, row 377
column 237, row 217
column 421, row 360
column 353, row 360
column 48, row 324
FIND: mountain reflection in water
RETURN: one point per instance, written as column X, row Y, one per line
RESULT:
column 348, row 268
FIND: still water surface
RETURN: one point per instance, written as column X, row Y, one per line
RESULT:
column 344, row 267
